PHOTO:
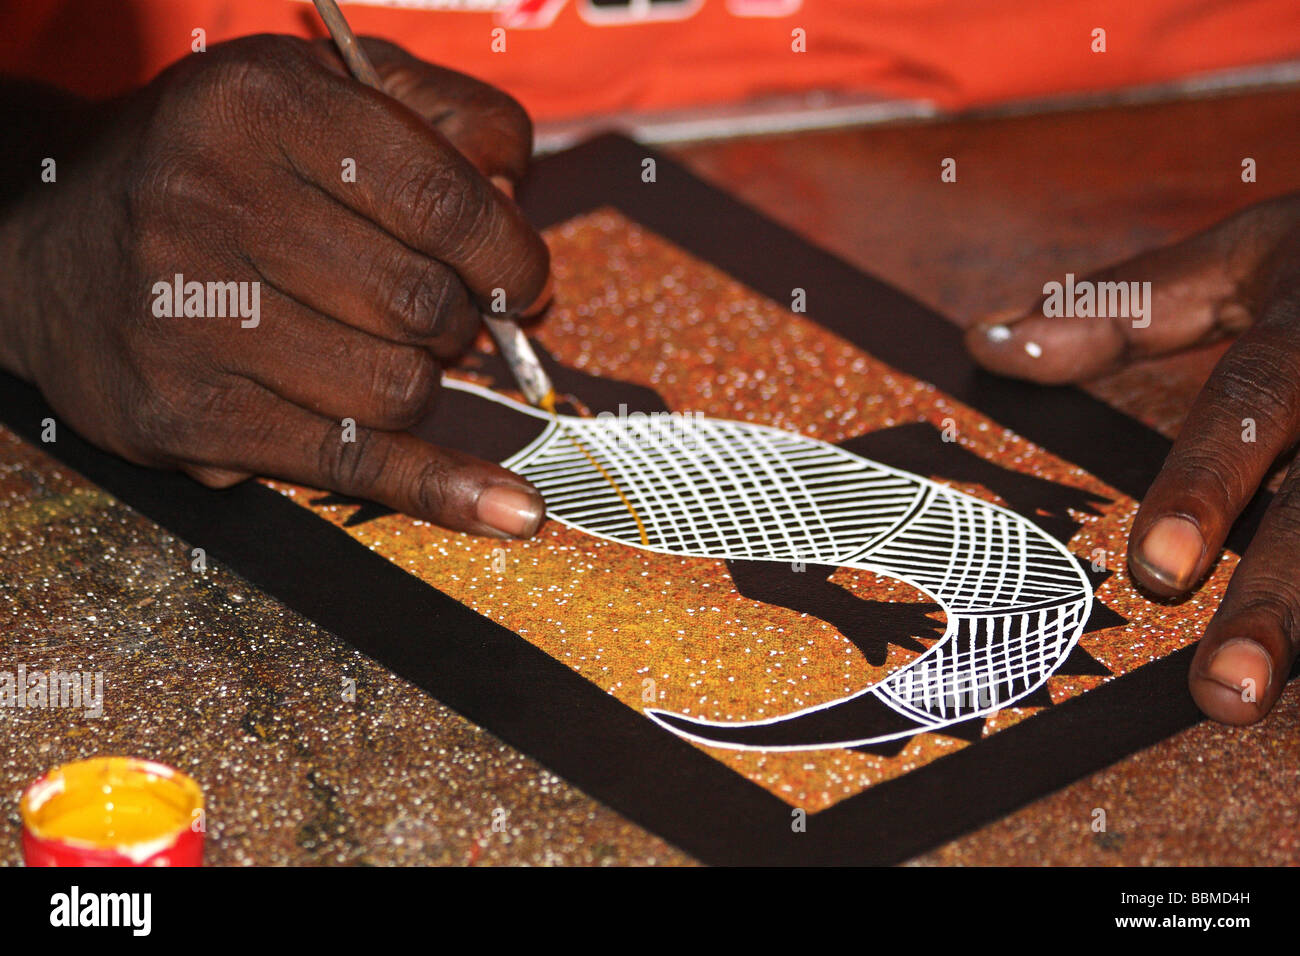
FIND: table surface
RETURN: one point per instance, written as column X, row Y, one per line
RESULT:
column 206, row 673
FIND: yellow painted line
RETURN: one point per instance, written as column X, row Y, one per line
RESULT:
column 548, row 403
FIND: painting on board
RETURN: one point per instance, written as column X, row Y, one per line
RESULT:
column 812, row 589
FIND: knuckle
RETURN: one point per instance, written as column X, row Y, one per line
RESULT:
column 1258, row 373
column 175, row 197
column 1213, row 475
column 417, row 298
column 163, row 183
column 246, row 80
column 1284, row 514
column 442, row 202
column 217, row 409
column 151, row 253
column 432, row 487
column 242, row 87
column 255, row 68
column 403, row 383
column 160, row 420
column 436, row 299
column 1284, row 521
column 351, row 466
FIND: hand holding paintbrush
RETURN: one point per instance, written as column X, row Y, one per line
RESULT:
column 515, row 349
column 261, row 264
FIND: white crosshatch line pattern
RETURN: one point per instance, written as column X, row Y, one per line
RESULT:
column 1016, row 600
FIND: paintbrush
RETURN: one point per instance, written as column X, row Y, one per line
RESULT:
column 511, row 341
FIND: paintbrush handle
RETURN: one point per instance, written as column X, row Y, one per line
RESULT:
column 346, row 41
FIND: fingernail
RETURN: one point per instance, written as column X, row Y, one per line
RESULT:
column 1171, row 552
column 996, row 326
column 997, row 329
column 542, row 300
column 1241, row 665
column 510, row 510
column 503, row 184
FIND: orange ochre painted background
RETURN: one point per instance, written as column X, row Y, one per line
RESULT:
column 632, row 306
column 566, row 58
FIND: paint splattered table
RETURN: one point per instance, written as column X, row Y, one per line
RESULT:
column 218, row 679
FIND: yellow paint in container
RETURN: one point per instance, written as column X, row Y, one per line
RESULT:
column 113, row 811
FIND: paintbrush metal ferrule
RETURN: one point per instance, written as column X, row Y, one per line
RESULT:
column 523, row 361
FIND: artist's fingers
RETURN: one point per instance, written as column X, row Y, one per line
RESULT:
column 1242, row 662
column 416, row 186
column 396, row 469
column 1200, row 289
column 1243, row 419
column 347, row 268
column 333, row 369
column 486, row 124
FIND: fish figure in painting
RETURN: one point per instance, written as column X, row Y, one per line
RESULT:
column 1015, row 599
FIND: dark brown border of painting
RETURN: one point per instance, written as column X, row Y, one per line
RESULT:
column 539, row 705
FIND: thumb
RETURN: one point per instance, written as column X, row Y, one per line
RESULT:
column 1199, row 290
column 396, row 469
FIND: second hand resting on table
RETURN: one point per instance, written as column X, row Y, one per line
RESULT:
column 1242, row 275
column 230, row 166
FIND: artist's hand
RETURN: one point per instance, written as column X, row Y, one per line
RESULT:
column 372, row 227
column 1244, row 274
